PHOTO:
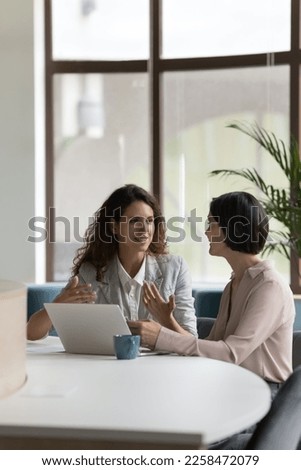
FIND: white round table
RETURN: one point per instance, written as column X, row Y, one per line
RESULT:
column 76, row 395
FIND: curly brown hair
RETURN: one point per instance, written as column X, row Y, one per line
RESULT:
column 101, row 246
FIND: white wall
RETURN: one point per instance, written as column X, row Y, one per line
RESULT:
column 17, row 256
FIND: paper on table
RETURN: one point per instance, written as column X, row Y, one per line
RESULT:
column 44, row 347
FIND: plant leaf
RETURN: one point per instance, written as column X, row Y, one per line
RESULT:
column 282, row 204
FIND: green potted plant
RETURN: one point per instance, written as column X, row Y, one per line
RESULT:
column 283, row 204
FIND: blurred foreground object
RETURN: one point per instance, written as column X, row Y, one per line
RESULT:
column 13, row 308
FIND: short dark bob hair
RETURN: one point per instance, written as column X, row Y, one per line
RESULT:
column 243, row 221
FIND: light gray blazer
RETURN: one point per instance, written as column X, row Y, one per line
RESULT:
column 169, row 273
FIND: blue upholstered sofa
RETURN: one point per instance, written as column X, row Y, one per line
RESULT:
column 38, row 294
column 206, row 306
column 206, row 301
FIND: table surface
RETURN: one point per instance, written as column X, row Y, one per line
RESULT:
column 70, row 393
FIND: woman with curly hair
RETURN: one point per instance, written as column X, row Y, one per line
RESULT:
column 124, row 253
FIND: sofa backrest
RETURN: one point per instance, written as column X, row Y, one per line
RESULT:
column 207, row 302
column 38, row 294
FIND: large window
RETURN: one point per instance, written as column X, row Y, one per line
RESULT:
column 197, row 107
column 211, row 28
column 141, row 91
column 100, row 143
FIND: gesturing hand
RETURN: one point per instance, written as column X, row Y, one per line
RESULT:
column 76, row 293
column 153, row 301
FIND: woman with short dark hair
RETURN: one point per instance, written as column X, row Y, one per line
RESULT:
column 254, row 325
column 243, row 221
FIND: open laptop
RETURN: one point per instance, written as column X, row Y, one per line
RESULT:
column 87, row 328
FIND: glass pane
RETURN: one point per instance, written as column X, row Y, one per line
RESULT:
column 203, row 28
column 100, row 29
column 101, row 142
column 197, row 108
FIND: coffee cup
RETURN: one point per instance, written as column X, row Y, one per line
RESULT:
column 126, row 346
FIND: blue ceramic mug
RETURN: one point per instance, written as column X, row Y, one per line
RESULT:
column 126, row 346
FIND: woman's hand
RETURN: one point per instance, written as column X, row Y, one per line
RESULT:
column 162, row 311
column 147, row 329
column 39, row 324
column 76, row 293
column 153, row 301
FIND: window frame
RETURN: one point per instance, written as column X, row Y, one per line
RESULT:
column 155, row 67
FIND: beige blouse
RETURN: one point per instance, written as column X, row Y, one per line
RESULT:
column 258, row 332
